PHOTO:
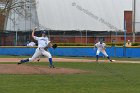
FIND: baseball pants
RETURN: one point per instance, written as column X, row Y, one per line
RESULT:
column 103, row 51
column 39, row 52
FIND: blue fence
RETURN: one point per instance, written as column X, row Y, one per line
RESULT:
column 74, row 51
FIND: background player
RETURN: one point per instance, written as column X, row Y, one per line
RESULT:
column 128, row 44
column 101, row 48
column 43, row 42
column 31, row 44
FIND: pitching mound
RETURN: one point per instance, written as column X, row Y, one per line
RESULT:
column 29, row 69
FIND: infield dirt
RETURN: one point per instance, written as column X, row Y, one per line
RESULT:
column 30, row 69
column 66, row 60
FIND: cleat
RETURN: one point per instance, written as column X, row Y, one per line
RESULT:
column 51, row 66
column 21, row 61
column 111, row 61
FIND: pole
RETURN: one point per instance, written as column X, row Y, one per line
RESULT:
column 16, row 38
column 81, row 36
column 124, row 37
column 133, row 19
column 86, row 37
column 15, row 43
column 110, row 37
column 116, row 40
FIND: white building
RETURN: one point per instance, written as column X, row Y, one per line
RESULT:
column 137, row 15
column 94, row 15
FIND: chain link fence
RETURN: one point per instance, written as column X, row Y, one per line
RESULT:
column 21, row 38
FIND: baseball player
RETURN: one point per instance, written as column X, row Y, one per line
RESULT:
column 101, row 48
column 31, row 44
column 43, row 42
column 128, row 44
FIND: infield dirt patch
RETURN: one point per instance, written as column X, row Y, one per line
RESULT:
column 30, row 69
column 65, row 60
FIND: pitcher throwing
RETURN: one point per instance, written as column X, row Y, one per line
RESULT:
column 43, row 42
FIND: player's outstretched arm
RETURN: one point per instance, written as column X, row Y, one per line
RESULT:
column 33, row 32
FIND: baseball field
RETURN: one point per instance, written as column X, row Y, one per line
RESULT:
column 71, row 75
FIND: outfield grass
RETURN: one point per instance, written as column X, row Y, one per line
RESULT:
column 104, row 78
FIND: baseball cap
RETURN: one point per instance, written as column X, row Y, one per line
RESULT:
column 44, row 32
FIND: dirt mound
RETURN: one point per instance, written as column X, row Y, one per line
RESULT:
column 29, row 69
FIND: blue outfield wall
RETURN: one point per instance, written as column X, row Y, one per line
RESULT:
column 74, row 51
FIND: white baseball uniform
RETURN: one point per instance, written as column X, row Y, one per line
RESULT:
column 42, row 43
column 31, row 44
column 101, row 48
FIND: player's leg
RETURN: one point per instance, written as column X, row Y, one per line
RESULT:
column 106, row 55
column 36, row 54
column 47, row 54
column 97, row 55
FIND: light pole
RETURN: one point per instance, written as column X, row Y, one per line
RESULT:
column 133, row 19
column 86, row 38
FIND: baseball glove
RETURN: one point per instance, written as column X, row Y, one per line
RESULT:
column 54, row 46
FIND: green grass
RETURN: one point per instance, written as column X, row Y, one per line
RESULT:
column 104, row 78
column 9, row 56
column 101, row 58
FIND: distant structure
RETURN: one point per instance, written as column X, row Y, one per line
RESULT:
column 94, row 15
column 72, row 21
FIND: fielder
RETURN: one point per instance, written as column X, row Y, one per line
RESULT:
column 101, row 48
column 43, row 42
column 31, row 44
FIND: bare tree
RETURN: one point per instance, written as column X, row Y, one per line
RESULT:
column 22, row 8
column 15, row 5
